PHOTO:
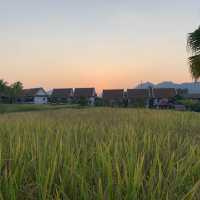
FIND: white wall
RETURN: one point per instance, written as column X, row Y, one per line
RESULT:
column 41, row 93
column 92, row 100
column 40, row 100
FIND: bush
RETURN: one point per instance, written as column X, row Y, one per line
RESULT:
column 138, row 103
column 83, row 101
column 98, row 102
column 190, row 104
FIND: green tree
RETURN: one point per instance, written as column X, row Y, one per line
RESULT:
column 15, row 91
column 3, row 86
column 3, row 90
column 193, row 44
column 83, row 101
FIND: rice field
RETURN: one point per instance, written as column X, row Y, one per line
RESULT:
column 8, row 108
column 100, row 154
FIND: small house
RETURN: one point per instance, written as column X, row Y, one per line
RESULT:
column 33, row 96
column 113, row 97
column 4, row 98
column 62, row 95
column 138, row 97
column 85, row 95
column 193, row 96
column 182, row 92
column 167, row 93
column 163, row 97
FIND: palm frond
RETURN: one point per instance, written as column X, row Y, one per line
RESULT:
column 193, row 41
column 194, row 62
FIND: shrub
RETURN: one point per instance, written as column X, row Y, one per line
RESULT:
column 83, row 101
column 190, row 104
column 98, row 101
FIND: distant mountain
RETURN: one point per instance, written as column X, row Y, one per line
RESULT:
column 145, row 85
column 192, row 87
column 167, row 84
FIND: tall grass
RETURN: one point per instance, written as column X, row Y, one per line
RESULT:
column 8, row 108
column 100, row 154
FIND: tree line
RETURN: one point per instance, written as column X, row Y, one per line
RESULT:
column 10, row 92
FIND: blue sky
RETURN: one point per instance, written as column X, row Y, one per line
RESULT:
column 102, row 43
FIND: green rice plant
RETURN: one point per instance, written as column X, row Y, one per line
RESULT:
column 100, row 153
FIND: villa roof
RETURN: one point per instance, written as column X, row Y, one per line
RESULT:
column 113, row 94
column 84, row 92
column 137, row 93
column 164, row 92
column 31, row 92
column 62, row 92
column 192, row 96
column 182, row 92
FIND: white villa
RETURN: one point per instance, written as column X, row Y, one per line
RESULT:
column 34, row 96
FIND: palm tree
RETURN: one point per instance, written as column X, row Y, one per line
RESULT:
column 193, row 44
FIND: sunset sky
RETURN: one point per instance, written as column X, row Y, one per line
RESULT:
column 100, row 43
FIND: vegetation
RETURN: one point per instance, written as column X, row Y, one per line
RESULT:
column 139, row 103
column 10, row 92
column 15, row 90
column 191, row 105
column 194, row 46
column 3, row 86
column 83, row 101
column 100, row 153
column 98, row 102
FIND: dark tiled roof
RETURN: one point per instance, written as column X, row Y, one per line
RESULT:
column 84, row 92
column 182, row 92
column 138, row 93
column 62, row 92
column 164, row 92
column 113, row 94
column 192, row 96
column 31, row 92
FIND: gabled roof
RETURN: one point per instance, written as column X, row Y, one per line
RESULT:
column 113, row 94
column 182, row 92
column 164, row 92
column 32, row 92
column 137, row 93
column 62, row 92
column 84, row 92
column 192, row 96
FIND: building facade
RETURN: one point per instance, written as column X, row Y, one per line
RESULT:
column 33, row 96
column 62, row 95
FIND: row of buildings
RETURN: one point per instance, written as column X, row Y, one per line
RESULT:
column 145, row 97
column 63, row 95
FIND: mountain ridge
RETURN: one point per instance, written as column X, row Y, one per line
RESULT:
column 191, row 86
